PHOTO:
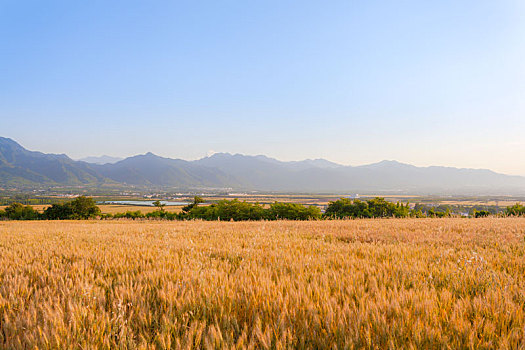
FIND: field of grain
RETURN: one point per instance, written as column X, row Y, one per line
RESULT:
column 392, row 283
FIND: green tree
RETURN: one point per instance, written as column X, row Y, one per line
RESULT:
column 346, row 208
column 84, row 208
column 292, row 211
column 515, row 210
column 58, row 212
column 196, row 201
column 18, row 211
column 372, row 208
column 481, row 213
column 159, row 205
column 79, row 209
column 228, row 210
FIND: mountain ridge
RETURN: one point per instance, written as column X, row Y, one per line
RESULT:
column 21, row 167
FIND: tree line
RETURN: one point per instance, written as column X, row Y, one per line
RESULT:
column 228, row 210
column 82, row 208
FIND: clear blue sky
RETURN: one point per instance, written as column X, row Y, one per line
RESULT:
column 423, row 82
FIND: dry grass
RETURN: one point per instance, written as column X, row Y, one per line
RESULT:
column 428, row 283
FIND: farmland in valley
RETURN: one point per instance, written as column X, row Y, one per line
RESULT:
column 377, row 283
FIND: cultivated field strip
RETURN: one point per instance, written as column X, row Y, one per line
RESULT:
column 391, row 283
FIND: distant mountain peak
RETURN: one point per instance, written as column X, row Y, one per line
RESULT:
column 5, row 141
column 318, row 163
column 149, row 155
column 388, row 164
column 220, row 155
column 237, row 157
column 104, row 159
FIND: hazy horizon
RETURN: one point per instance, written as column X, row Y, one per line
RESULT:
column 425, row 84
column 289, row 160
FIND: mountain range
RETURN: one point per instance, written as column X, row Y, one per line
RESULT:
column 20, row 167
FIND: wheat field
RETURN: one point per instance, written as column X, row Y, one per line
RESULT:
column 376, row 284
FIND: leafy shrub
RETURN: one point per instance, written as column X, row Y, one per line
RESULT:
column 129, row 215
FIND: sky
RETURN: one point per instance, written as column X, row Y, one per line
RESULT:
column 439, row 82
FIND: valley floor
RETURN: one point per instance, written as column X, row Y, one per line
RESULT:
column 391, row 283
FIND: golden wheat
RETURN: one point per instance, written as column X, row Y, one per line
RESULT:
column 427, row 283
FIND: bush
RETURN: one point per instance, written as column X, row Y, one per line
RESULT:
column 129, row 215
column 481, row 214
column 161, row 214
